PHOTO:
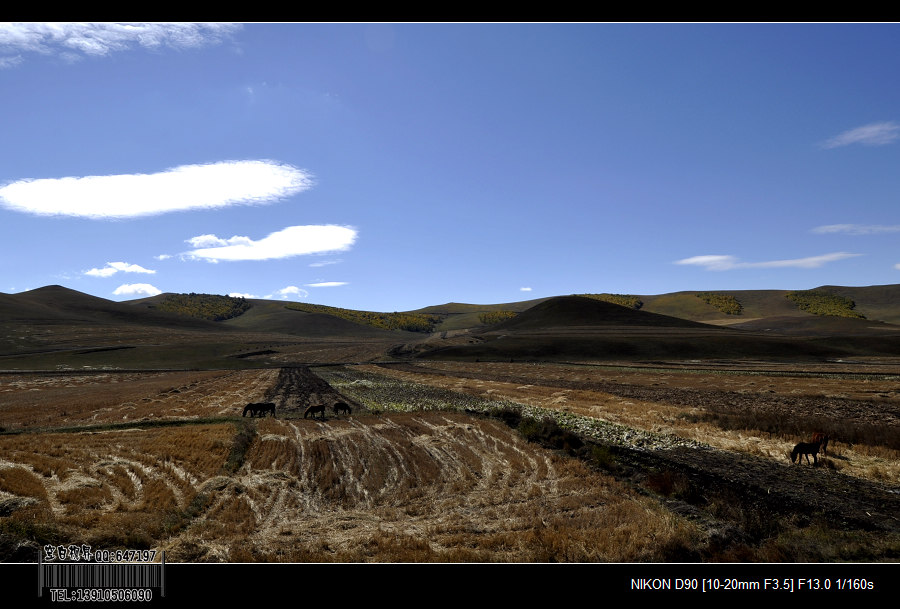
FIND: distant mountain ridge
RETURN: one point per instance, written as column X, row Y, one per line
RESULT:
column 56, row 320
column 767, row 309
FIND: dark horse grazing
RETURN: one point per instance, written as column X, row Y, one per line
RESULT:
column 313, row 410
column 341, row 407
column 260, row 409
column 805, row 448
column 822, row 438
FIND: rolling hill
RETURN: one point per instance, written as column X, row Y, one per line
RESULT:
column 57, row 326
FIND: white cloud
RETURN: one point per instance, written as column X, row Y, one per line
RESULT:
column 112, row 268
column 874, row 134
column 240, row 295
column 213, row 241
column 326, row 284
column 726, row 263
column 712, row 262
column 524, row 289
column 291, row 290
column 857, row 229
column 324, row 263
column 290, row 241
column 9, row 62
column 74, row 41
column 897, row 266
column 132, row 195
column 137, row 289
column 163, row 256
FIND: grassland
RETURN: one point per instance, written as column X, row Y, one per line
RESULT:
column 452, row 462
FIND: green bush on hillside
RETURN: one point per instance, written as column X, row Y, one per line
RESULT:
column 819, row 302
column 726, row 303
column 410, row 322
column 489, row 318
column 204, row 306
column 625, row 300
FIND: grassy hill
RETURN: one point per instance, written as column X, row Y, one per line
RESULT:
column 876, row 302
column 56, row 327
column 460, row 316
column 586, row 311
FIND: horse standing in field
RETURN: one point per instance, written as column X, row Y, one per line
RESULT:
column 805, row 448
column 341, row 407
column 315, row 409
column 823, row 439
column 259, row 409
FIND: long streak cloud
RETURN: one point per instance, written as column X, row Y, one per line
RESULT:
column 874, row 134
column 857, row 229
column 727, row 263
column 291, row 241
column 186, row 187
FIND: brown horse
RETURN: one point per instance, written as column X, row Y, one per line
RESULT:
column 821, row 438
column 341, row 407
column 312, row 410
column 260, row 409
column 805, row 448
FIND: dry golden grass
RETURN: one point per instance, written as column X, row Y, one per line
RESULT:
column 60, row 400
column 870, row 462
column 115, row 485
column 421, row 487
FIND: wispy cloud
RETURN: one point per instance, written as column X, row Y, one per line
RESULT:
column 324, row 263
column 112, row 268
column 326, row 284
column 74, row 41
column 205, row 241
column 874, row 134
column 858, row 229
column 287, row 292
column 186, row 187
column 524, row 289
column 137, row 289
column 727, row 263
column 291, row 241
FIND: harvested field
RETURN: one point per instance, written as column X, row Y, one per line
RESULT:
column 91, row 398
column 428, row 486
column 420, row 488
column 451, row 462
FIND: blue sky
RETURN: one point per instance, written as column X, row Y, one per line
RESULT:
column 389, row 167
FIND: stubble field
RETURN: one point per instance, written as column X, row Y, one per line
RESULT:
column 451, row 462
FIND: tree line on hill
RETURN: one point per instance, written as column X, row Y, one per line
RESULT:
column 819, row 302
column 726, row 303
column 625, row 300
column 204, row 306
column 410, row 322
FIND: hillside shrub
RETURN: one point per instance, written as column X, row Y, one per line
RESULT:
column 625, row 300
column 726, row 303
column 489, row 318
column 410, row 322
column 819, row 302
column 204, row 306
